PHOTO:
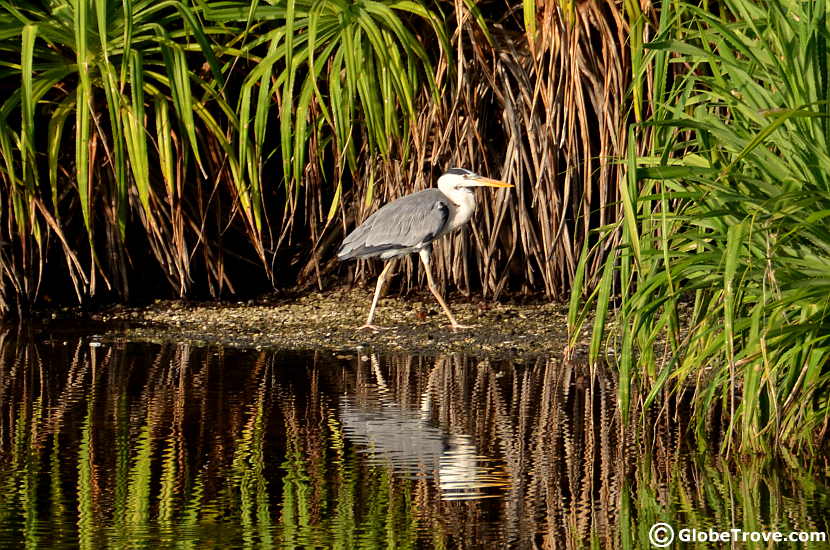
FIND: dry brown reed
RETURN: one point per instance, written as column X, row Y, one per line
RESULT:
column 547, row 115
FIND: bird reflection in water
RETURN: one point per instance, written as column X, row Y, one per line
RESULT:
column 411, row 444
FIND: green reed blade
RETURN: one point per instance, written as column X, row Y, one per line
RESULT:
column 300, row 132
column 135, row 133
column 529, row 16
column 264, row 93
column 198, row 31
column 636, row 20
column 603, row 304
column 628, row 194
column 577, row 293
column 732, row 257
column 288, row 93
column 27, row 130
column 113, row 95
column 112, row 92
column 83, row 113
column 164, row 139
column 127, row 36
column 179, row 82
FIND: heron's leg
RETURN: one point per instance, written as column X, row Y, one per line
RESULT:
column 378, row 288
column 424, row 254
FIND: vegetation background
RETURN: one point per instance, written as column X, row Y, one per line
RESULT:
column 202, row 148
column 670, row 163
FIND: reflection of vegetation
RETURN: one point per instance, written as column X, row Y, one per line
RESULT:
column 201, row 448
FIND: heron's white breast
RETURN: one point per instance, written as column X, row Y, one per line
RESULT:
column 462, row 207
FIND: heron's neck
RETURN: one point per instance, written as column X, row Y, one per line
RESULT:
column 464, row 201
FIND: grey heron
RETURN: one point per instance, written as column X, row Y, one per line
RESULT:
column 412, row 223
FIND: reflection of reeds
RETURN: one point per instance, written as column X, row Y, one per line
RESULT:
column 577, row 477
column 106, row 446
column 557, row 429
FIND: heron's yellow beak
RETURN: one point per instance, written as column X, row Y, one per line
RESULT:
column 487, row 182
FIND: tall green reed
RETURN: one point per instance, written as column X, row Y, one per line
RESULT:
column 142, row 86
column 328, row 61
column 724, row 265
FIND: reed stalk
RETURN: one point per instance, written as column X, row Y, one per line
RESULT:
column 724, row 253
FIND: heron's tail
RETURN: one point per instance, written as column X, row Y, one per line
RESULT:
column 352, row 245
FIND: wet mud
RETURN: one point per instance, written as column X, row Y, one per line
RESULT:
column 331, row 320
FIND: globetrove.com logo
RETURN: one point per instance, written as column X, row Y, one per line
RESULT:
column 661, row 535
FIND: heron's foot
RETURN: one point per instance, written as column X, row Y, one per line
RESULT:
column 374, row 328
column 459, row 326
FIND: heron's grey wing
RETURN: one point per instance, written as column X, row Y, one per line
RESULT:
column 406, row 223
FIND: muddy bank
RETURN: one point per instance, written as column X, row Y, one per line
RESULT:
column 330, row 321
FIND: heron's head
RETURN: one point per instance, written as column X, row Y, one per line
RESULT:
column 461, row 179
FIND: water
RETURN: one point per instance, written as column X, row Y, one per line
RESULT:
column 146, row 446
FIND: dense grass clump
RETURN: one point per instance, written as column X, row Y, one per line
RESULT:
column 114, row 119
column 724, row 268
column 205, row 148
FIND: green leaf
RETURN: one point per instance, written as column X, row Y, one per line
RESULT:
column 83, row 114
column 135, row 135
column 27, row 132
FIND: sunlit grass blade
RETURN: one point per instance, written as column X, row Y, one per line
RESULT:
column 577, row 293
column 135, row 134
column 27, row 103
column 628, row 193
column 603, row 305
column 113, row 94
column 179, row 82
column 83, row 113
column 164, row 142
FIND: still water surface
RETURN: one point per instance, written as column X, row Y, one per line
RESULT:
column 146, row 446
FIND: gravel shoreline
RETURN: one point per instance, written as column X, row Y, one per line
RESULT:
column 329, row 320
